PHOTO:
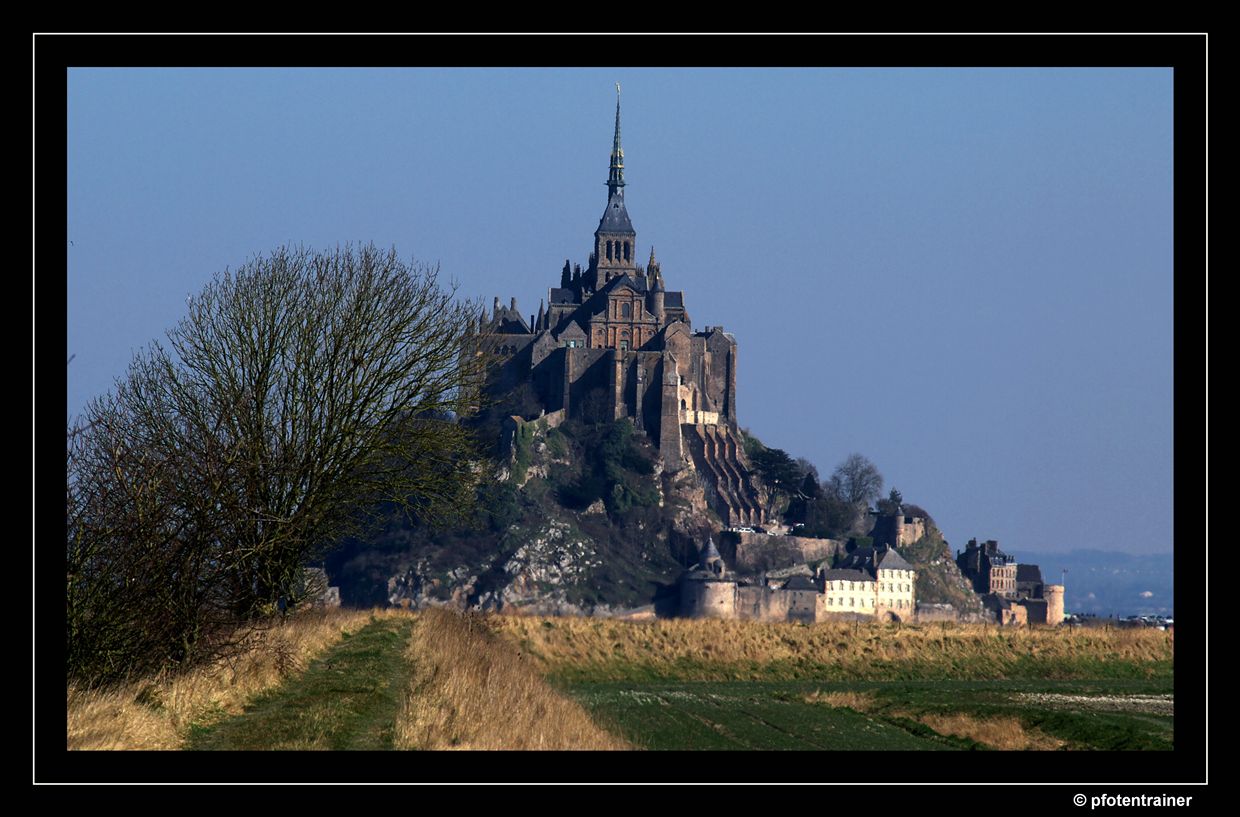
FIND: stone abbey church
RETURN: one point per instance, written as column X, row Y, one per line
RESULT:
column 613, row 341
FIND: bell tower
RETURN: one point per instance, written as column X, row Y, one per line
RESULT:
column 615, row 240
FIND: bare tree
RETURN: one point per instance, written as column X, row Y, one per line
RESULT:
column 300, row 391
column 857, row 480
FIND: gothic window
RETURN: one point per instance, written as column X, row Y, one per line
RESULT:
column 626, row 251
column 608, row 250
column 626, row 310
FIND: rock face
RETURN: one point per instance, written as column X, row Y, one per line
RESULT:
column 536, row 577
column 544, row 575
column 596, row 527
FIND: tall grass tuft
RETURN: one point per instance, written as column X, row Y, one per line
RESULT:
column 1003, row 732
column 157, row 713
column 473, row 690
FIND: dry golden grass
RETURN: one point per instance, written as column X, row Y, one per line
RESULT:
column 472, row 690
column 860, row 701
column 157, row 713
column 693, row 649
column 1004, row 732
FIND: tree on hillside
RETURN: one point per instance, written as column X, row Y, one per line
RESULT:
column 892, row 505
column 300, row 390
column 857, row 480
column 777, row 469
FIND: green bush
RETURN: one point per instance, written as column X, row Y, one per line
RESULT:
column 522, row 442
column 557, row 443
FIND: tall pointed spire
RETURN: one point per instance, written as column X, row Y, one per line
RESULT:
column 615, row 179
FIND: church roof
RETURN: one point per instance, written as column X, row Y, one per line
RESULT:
column 709, row 552
column 563, row 296
column 674, row 300
column 634, row 282
column 507, row 321
column 616, row 217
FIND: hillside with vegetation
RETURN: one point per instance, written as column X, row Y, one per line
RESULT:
column 569, row 519
column 572, row 517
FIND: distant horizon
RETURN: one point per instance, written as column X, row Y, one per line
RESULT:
column 962, row 274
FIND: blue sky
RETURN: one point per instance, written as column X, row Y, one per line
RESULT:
column 965, row 275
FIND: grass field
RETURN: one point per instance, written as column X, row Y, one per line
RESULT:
column 434, row 680
column 441, row 680
column 927, row 715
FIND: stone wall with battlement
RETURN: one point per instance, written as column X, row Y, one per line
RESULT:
column 755, row 552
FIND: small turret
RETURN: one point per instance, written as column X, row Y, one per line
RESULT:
column 656, row 289
column 710, row 560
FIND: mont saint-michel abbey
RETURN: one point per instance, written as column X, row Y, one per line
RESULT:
column 612, row 341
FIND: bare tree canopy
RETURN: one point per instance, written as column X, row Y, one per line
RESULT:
column 300, row 390
column 857, row 480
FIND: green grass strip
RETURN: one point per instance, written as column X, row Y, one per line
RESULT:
column 346, row 699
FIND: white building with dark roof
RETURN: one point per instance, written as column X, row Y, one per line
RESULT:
column 873, row 583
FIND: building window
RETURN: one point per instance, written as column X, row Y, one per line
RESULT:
column 626, row 310
column 608, row 250
column 626, row 251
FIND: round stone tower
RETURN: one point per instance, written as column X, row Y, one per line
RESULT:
column 1053, row 593
column 718, row 599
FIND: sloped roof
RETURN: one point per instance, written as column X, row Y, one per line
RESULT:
column 891, row 560
column 508, row 321
column 1028, row 573
column 673, row 300
column 630, row 280
column 616, row 217
column 993, row 601
column 859, row 559
column 799, row 583
column 709, row 551
column 849, row 575
column 573, row 329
